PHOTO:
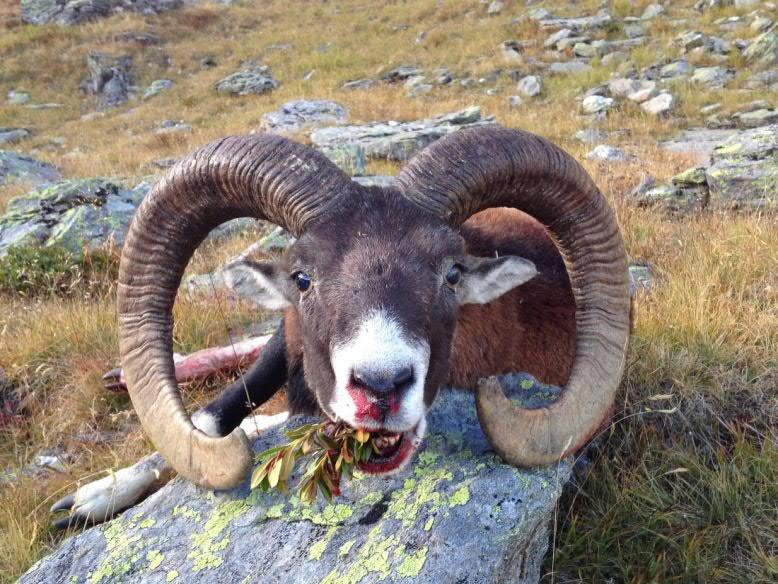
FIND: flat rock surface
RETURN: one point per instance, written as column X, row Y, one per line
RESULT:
column 16, row 166
column 455, row 500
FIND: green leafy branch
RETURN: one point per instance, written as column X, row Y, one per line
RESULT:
column 335, row 450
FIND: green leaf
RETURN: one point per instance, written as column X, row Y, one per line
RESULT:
column 275, row 473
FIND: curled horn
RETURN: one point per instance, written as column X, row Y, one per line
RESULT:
column 260, row 176
column 472, row 170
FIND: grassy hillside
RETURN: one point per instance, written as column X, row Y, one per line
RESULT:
column 683, row 487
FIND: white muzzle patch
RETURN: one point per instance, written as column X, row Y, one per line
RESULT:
column 380, row 345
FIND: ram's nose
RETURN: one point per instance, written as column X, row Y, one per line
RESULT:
column 382, row 382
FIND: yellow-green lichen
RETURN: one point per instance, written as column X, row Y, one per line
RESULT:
column 429, row 522
column 346, row 547
column 206, row 544
column 155, row 559
column 122, row 553
column 183, row 511
column 372, row 558
column 316, row 551
column 171, row 575
column 146, row 523
column 411, row 564
column 460, row 497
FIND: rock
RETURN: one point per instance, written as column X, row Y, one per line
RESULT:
column 495, row 8
column 767, row 78
column 511, row 51
column 350, row 158
column 584, row 23
column 632, row 89
column 641, row 278
column 398, row 140
column 652, row 11
column 744, row 173
column 374, row 181
column 660, row 105
column 17, row 97
column 615, row 59
column 515, row 101
column 168, row 127
column 559, row 35
column 13, row 135
column 71, row 214
column 596, row 103
column 157, row 86
column 568, row 67
column 761, row 23
column 692, row 40
column 301, row 114
column 256, row 81
column 756, row 118
column 530, row 86
column 634, row 31
column 677, row 69
column 605, row 153
column 715, row 77
column 590, row 135
column 70, row 12
column 455, row 496
column 697, row 142
column 401, row 74
column 571, row 41
column 109, row 78
column 358, row 84
column 672, row 200
column 18, row 167
column 763, row 50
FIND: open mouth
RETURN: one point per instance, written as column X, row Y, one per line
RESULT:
column 394, row 450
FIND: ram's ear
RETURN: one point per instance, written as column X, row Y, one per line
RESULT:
column 261, row 282
column 485, row 279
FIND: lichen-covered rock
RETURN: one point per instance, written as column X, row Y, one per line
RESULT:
column 763, row 50
column 303, row 114
column 13, row 135
column 15, row 166
column 257, row 81
column 398, row 140
column 70, row 12
column 71, row 214
column 455, row 514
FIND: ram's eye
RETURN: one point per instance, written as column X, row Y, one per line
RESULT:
column 302, row 281
column 454, row 275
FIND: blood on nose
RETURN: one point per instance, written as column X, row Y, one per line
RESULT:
column 377, row 393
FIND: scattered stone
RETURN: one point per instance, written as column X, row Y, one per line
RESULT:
column 163, row 163
column 584, row 23
column 398, row 140
column 157, row 86
column 641, row 278
column 632, row 89
column 17, row 97
column 756, row 118
column 511, row 51
column 697, row 142
column 495, row 8
column 660, row 105
column 18, row 167
column 109, row 78
column 762, row 79
column 571, row 41
column 530, row 86
column 763, row 50
column 634, row 31
column 358, row 84
column 709, row 109
column 401, row 74
column 714, row 77
column 605, row 153
column 515, row 101
column 596, row 103
column 91, row 116
column 208, row 62
column 652, row 11
column 590, row 135
column 761, row 23
column 443, row 76
column 301, row 114
column 559, row 35
column 13, row 135
column 672, row 200
column 72, row 214
column 71, row 12
column 692, row 40
column 568, row 67
column 252, row 81
column 615, row 58
column 168, row 127
column 676, row 69
column 455, row 494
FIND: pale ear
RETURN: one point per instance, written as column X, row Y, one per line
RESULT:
column 485, row 279
column 260, row 282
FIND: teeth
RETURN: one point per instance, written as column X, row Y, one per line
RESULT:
column 384, row 442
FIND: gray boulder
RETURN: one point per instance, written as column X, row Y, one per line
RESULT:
column 157, row 86
column 455, row 514
column 109, row 78
column 763, row 50
column 18, row 167
column 397, row 140
column 257, row 80
column 756, row 118
column 303, row 114
column 13, row 135
column 584, row 23
column 70, row 12
column 715, row 77
column 71, row 214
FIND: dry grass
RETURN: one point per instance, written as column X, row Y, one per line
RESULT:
column 687, row 496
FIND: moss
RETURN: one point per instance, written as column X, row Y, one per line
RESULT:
column 316, row 550
column 213, row 539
